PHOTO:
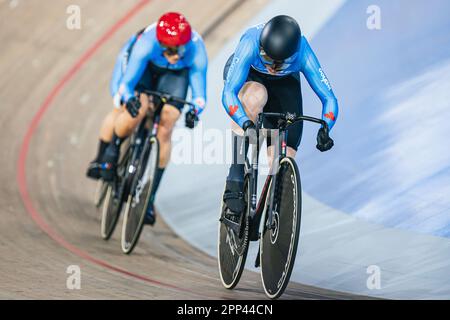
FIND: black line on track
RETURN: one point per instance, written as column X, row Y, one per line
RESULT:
column 217, row 22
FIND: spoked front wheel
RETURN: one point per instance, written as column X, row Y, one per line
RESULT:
column 111, row 196
column 137, row 202
column 233, row 245
column 100, row 193
column 112, row 206
column 278, row 244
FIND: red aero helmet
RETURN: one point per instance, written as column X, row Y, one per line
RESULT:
column 173, row 30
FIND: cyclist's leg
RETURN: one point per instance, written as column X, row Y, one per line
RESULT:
column 169, row 116
column 106, row 136
column 175, row 83
column 107, row 127
column 285, row 96
column 124, row 126
column 253, row 97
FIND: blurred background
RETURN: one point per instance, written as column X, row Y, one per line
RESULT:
column 380, row 198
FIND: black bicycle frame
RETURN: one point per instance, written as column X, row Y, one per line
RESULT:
column 284, row 121
column 163, row 98
column 140, row 138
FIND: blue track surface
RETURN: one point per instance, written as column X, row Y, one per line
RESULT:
column 391, row 164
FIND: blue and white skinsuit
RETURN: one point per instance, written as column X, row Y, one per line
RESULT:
column 143, row 49
column 247, row 64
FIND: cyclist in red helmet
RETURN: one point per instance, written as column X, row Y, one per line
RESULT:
column 167, row 56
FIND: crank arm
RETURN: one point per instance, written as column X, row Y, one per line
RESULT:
column 236, row 227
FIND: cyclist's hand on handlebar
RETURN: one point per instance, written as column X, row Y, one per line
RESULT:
column 199, row 105
column 248, row 125
column 133, row 105
column 191, row 119
column 249, row 131
column 324, row 142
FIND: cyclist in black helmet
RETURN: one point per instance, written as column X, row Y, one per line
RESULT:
column 263, row 74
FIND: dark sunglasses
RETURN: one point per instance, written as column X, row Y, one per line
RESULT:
column 268, row 60
column 172, row 51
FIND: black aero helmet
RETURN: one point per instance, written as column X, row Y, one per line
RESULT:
column 280, row 37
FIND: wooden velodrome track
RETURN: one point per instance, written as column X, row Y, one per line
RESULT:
column 53, row 89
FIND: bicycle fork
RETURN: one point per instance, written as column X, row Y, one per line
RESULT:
column 275, row 168
column 269, row 224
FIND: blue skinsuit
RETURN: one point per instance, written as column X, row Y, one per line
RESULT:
column 247, row 55
column 146, row 48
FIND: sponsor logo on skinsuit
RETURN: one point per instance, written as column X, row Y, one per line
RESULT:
column 324, row 79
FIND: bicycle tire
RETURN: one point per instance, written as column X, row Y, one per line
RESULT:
column 231, row 266
column 134, row 215
column 110, row 213
column 100, row 193
column 112, row 203
column 278, row 247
